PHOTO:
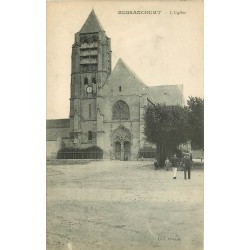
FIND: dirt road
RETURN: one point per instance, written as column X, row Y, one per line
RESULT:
column 123, row 205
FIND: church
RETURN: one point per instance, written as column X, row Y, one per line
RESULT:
column 106, row 106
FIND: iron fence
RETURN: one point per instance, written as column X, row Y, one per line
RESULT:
column 80, row 155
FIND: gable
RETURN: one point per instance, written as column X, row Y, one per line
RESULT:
column 123, row 81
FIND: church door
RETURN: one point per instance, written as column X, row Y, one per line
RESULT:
column 126, row 150
column 118, row 151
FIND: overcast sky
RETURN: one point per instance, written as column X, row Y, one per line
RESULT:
column 161, row 49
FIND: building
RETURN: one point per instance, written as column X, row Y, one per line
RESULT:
column 106, row 106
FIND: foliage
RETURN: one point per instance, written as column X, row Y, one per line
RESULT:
column 196, row 121
column 167, row 127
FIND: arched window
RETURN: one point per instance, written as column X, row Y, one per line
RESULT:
column 121, row 111
column 90, row 136
column 86, row 81
column 120, row 89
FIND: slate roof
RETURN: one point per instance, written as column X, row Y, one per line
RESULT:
column 56, row 127
column 122, row 73
column 122, row 66
column 92, row 24
column 168, row 94
column 58, row 123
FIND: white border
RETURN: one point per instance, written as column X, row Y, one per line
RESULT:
column 227, row 125
column 23, row 116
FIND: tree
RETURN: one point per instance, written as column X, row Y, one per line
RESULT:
column 196, row 121
column 167, row 127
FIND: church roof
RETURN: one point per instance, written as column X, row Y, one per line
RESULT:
column 122, row 66
column 92, row 24
column 123, row 74
column 123, row 69
column 56, row 127
column 168, row 94
column 58, row 123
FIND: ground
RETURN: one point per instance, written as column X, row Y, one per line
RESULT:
column 123, row 205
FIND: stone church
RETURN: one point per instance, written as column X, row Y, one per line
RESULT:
column 106, row 106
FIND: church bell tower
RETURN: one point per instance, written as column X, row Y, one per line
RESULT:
column 90, row 67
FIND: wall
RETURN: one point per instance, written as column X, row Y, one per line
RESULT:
column 106, row 126
column 51, row 148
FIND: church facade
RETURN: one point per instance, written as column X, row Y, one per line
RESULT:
column 106, row 106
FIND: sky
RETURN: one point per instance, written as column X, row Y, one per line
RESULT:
column 162, row 49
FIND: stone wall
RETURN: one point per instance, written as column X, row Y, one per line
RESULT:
column 52, row 148
column 107, row 128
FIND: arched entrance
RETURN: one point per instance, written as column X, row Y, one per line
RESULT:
column 126, row 150
column 117, row 150
column 122, row 143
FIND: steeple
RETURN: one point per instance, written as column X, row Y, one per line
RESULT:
column 92, row 24
column 91, row 65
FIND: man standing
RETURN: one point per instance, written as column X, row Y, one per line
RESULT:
column 175, row 163
column 187, row 166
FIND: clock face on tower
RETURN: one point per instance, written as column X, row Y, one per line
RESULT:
column 89, row 90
